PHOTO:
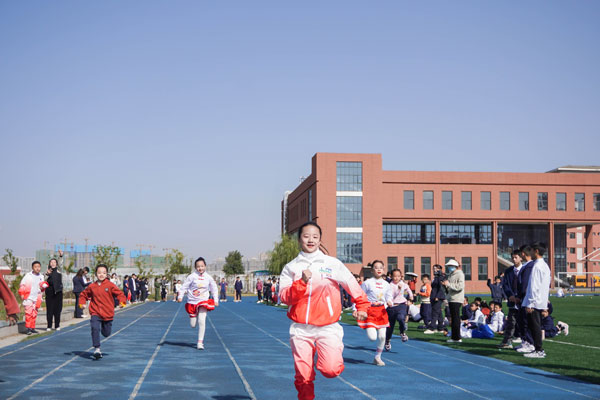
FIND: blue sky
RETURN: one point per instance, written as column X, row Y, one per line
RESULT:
column 180, row 124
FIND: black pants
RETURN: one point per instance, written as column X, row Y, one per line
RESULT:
column 437, row 318
column 523, row 326
column 238, row 294
column 78, row 310
column 259, row 294
column 510, row 326
column 426, row 313
column 99, row 326
column 534, row 319
column 455, row 319
column 396, row 313
column 54, row 305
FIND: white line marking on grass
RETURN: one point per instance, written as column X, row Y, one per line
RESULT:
column 235, row 364
column 501, row 371
column 573, row 344
column 26, row 388
column 288, row 346
column 83, row 325
column 162, row 340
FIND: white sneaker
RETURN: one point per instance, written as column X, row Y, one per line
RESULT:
column 517, row 341
column 564, row 327
column 454, row 341
column 536, row 354
column 58, row 329
column 200, row 346
column 379, row 362
column 526, row 348
column 429, row 332
column 97, row 354
column 404, row 337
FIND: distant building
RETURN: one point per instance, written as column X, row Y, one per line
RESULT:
column 414, row 219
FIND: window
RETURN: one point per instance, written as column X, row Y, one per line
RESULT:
column 409, row 264
column 561, row 201
column 572, row 250
column 392, row 263
column 310, row 210
column 349, row 211
column 446, row 200
column 579, row 201
column 428, row 200
column 465, row 234
column 466, row 267
column 486, row 200
column 408, row 233
column 409, row 200
column 596, row 201
column 542, row 201
column 426, row 266
column 349, row 247
column 523, row 201
column 349, row 176
column 572, row 235
column 465, row 200
column 572, row 265
column 482, row 263
column 505, row 200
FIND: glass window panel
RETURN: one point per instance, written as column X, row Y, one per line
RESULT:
column 408, row 233
column 392, row 263
column 579, row 201
column 596, row 201
column 349, row 248
column 486, row 200
column 482, row 263
column 465, row 234
column 446, row 200
column 505, row 200
column 466, row 267
column 409, row 200
column 428, row 200
column 349, row 211
column 426, row 265
column 409, row 264
column 523, row 201
column 466, row 202
column 542, row 201
column 349, row 176
column 561, row 201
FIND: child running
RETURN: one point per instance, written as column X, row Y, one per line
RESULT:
column 397, row 311
column 198, row 286
column 379, row 294
column 102, row 307
column 30, row 290
column 310, row 285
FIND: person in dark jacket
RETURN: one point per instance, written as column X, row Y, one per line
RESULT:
column 522, row 284
column 134, row 288
column 438, row 295
column 238, row 290
column 54, row 293
column 79, row 285
column 509, row 288
column 496, row 290
column 126, row 291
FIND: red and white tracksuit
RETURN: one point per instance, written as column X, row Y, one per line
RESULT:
column 30, row 290
column 198, row 288
column 315, row 308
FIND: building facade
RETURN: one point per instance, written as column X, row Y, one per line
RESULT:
column 413, row 220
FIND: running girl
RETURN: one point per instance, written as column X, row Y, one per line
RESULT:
column 310, row 286
column 198, row 285
column 397, row 312
column 380, row 296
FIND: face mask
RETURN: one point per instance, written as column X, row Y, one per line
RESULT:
column 451, row 269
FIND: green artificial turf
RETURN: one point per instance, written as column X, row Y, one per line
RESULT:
column 581, row 313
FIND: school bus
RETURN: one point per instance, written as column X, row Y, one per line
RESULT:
column 581, row 281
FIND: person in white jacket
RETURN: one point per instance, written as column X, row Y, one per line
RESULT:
column 199, row 286
column 536, row 298
column 31, row 288
column 497, row 319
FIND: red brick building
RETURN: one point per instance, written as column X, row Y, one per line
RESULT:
column 413, row 219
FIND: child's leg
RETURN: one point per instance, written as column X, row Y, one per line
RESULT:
column 402, row 318
column 30, row 316
column 329, row 346
column 303, row 351
column 49, row 308
column 380, row 342
column 95, row 325
column 201, row 323
column 106, row 328
column 392, row 315
column 372, row 334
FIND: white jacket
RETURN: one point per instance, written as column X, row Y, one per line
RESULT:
column 497, row 322
column 378, row 291
column 198, row 288
column 30, row 288
column 539, row 286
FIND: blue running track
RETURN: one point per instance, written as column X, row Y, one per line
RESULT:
column 151, row 354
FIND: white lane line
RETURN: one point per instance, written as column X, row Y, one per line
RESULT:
column 288, row 346
column 235, row 364
column 162, row 340
column 501, row 371
column 26, row 388
column 83, row 325
column 572, row 344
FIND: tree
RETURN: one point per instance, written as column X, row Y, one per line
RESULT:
column 140, row 263
column 175, row 259
column 107, row 255
column 233, row 263
column 11, row 261
column 283, row 252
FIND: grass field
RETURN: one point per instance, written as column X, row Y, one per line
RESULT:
column 572, row 360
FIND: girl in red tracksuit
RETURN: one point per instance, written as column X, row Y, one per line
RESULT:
column 309, row 284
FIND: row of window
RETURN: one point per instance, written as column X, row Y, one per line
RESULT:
column 349, row 176
column 409, row 266
column 504, row 201
column 395, row 233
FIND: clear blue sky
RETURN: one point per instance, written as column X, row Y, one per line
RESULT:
column 181, row 123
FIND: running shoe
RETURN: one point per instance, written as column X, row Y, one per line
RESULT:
column 34, row 331
column 388, row 346
column 564, row 328
column 97, row 354
column 536, row 354
column 505, row 346
column 200, row 346
column 454, row 341
column 517, row 341
column 404, row 337
column 526, row 348
column 379, row 362
column 429, row 332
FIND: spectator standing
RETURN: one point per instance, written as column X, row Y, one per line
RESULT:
column 54, row 293
column 455, row 284
column 438, row 295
